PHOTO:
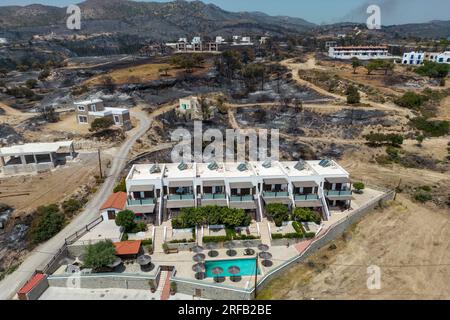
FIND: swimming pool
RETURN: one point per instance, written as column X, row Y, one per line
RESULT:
column 247, row 267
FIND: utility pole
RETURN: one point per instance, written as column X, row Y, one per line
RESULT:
column 100, row 164
column 397, row 189
column 256, row 275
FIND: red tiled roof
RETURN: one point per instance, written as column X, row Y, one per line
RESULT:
column 33, row 282
column 116, row 201
column 126, row 248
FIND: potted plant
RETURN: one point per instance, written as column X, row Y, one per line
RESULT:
column 152, row 284
column 173, row 288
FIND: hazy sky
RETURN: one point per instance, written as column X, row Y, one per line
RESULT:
column 319, row 11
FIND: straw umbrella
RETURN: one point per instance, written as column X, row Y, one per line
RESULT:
column 117, row 262
column 263, row 247
column 234, row 271
column 213, row 253
column 144, row 260
column 199, row 257
column 200, row 276
column 229, row 245
column 267, row 263
column 265, row 255
column 217, row 271
column 197, row 249
column 198, row 267
column 231, row 253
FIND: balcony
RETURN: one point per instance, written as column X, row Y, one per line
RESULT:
column 242, row 202
column 339, row 194
column 276, row 197
column 141, row 205
column 214, row 199
column 307, row 201
column 180, row 201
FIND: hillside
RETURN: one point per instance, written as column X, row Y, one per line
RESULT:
column 162, row 20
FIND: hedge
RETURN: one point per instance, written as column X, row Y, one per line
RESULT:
column 215, row 239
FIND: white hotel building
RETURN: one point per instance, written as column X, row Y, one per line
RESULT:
column 360, row 52
column 159, row 191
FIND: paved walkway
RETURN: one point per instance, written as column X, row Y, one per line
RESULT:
column 164, row 284
column 159, row 239
column 264, row 231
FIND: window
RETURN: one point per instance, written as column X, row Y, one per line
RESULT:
column 116, row 119
column 81, row 108
column 82, row 119
column 93, row 108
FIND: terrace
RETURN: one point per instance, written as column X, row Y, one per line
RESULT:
column 212, row 190
column 180, row 187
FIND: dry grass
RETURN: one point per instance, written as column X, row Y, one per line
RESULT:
column 409, row 242
column 144, row 73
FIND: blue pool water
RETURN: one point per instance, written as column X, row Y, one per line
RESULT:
column 247, row 267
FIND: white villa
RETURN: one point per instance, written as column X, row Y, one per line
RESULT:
column 35, row 157
column 360, row 52
column 418, row 58
column 89, row 110
column 158, row 191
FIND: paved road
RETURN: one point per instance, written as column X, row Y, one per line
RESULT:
column 42, row 254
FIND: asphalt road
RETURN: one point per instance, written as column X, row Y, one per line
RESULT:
column 44, row 252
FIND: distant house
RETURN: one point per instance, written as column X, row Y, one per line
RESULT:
column 443, row 57
column 413, row 58
column 89, row 110
column 113, row 205
column 360, row 52
column 418, row 58
column 190, row 107
column 35, row 157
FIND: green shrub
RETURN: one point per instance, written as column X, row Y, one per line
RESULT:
column 306, row 215
column 278, row 212
column 353, row 96
column 298, row 227
column 48, row 222
column 101, row 124
column 215, row 239
column 139, row 227
column 100, row 254
column 310, row 235
column 359, row 186
column 378, row 139
column 431, row 128
column 192, row 217
column 277, row 236
column 294, row 235
column 411, row 100
column 71, row 206
column 121, row 186
column 423, row 197
column 433, row 69
column 125, row 219
column 147, row 242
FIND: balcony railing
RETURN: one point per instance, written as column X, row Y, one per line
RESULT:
column 214, row 196
column 306, row 197
column 241, row 198
column 180, row 197
column 280, row 194
column 141, row 202
column 338, row 193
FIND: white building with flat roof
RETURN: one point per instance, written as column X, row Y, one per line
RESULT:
column 413, row 58
column 360, row 52
column 35, row 157
column 161, row 190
